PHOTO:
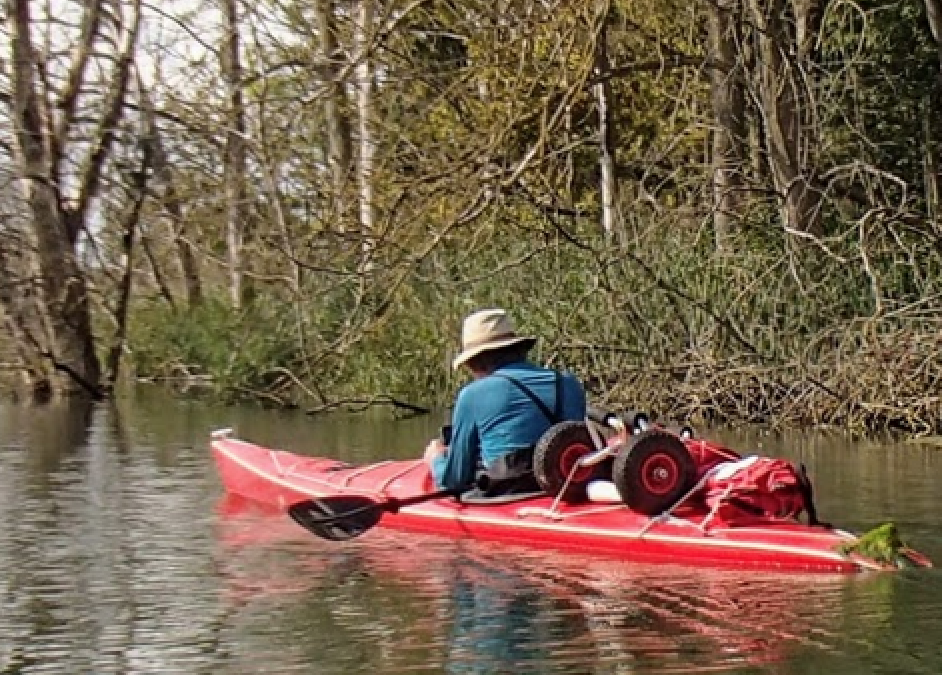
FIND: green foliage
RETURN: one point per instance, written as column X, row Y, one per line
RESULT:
column 401, row 358
column 880, row 68
column 486, row 191
column 235, row 353
column 882, row 545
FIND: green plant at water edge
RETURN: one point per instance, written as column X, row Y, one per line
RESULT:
column 227, row 350
column 882, row 544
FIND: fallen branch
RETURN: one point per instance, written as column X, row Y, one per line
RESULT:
column 361, row 404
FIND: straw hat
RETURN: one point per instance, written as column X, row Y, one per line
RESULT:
column 486, row 330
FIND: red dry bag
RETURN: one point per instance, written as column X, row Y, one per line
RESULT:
column 757, row 486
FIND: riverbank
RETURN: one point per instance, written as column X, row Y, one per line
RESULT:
column 881, row 381
column 758, row 337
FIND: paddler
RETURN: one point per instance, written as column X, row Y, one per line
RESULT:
column 500, row 415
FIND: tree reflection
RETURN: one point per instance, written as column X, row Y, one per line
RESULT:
column 48, row 434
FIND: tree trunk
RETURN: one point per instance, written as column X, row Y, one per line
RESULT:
column 362, row 38
column 21, row 309
column 339, row 150
column 68, row 343
column 729, row 110
column 163, row 173
column 608, row 187
column 234, row 161
column 787, row 120
column 163, row 287
column 131, row 222
column 934, row 118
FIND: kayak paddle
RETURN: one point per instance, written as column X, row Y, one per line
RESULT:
column 343, row 517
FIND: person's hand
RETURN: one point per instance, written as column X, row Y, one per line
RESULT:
column 434, row 449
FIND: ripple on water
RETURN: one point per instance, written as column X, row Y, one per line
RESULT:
column 116, row 556
column 409, row 603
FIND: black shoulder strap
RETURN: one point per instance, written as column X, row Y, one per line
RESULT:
column 558, row 402
column 554, row 416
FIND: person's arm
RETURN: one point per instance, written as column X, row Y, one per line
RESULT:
column 455, row 468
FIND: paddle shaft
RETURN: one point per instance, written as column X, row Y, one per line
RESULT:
column 390, row 506
column 396, row 504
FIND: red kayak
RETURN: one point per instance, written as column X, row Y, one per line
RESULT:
column 687, row 534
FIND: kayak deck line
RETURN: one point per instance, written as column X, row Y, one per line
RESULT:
column 530, row 511
column 635, row 535
column 824, row 533
column 356, row 473
column 349, row 477
column 281, row 470
column 527, row 511
column 384, row 486
column 702, row 445
column 281, row 478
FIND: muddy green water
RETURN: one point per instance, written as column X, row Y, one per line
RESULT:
column 119, row 554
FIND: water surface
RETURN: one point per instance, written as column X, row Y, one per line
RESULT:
column 120, row 554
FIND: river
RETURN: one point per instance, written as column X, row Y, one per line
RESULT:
column 120, row 554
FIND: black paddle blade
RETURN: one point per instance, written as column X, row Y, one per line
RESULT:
column 338, row 518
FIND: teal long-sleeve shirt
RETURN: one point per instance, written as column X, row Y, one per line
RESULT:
column 492, row 417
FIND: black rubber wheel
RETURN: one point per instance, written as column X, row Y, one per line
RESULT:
column 557, row 452
column 654, row 472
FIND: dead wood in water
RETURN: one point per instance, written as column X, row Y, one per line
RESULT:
column 361, row 404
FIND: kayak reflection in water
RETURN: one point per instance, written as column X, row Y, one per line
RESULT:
column 499, row 417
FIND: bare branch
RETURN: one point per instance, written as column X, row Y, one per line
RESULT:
column 91, row 178
column 91, row 20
